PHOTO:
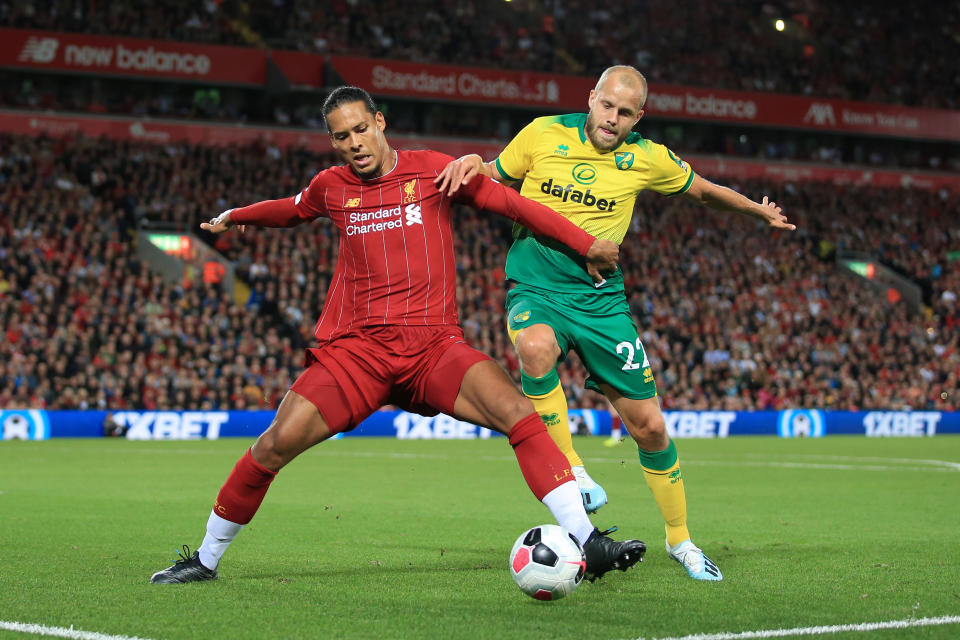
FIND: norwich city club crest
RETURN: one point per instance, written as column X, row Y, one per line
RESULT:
column 523, row 316
column 624, row 160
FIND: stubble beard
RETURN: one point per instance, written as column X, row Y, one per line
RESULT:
column 601, row 145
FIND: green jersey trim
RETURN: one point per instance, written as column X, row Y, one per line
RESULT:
column 576, row 121
column 686, row 185
column 632, row 138
column 506, row 176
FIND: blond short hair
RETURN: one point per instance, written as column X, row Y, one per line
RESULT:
column 628, row 75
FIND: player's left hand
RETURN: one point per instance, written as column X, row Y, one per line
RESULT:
column 221, row 223
column 457, row 173
column 774, row 216
column 602, row 258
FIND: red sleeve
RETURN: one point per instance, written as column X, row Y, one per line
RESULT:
column 484, row 193
column 286, row 212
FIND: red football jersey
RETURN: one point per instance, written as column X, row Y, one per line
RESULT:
column 396, row 264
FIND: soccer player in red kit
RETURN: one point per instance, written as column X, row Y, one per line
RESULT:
column 389, row 333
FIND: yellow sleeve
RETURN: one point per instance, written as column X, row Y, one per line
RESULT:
column 515, row 160
column 668, row 174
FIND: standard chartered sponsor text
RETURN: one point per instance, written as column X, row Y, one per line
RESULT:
column 355, row 217
column 450, row 84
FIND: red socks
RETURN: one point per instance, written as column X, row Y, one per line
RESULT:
column 241, row 495
column 543, row 466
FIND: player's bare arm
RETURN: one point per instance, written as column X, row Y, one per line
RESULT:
column 704, row 192
column 460, row 171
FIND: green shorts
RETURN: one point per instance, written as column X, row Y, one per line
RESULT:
column 598, row 327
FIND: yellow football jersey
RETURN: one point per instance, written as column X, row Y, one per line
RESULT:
column 561, row 169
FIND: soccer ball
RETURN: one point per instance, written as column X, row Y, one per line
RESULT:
column 547, row 562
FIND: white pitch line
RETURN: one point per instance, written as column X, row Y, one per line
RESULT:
column 789, row 465
column 816, row 631
column 61, row 632
column 940, row 463
column 820, row 465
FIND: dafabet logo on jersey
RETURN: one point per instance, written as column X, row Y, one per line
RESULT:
column 568, row 192
column 410, row 191
column 584, row 173
column 352, row 202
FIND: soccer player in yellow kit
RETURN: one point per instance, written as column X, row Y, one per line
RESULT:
column 590, row 168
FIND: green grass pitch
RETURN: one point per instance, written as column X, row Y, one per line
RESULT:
column 380, row 538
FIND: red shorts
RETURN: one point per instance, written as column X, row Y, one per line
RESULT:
column 417, row 368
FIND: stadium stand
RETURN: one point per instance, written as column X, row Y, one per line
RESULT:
column 225, row 104
column 875, row 43
column 85, row 323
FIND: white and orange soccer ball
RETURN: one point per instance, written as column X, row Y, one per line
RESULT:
column 547, row 562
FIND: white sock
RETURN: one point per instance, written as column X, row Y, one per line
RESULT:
column 220, row 533
column 566, row 505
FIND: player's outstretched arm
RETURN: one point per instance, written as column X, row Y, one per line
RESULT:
column 285, row 212
column 704, row 192
column 459, row 172
column 601, row 255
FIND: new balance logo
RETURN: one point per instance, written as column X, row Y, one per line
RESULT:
column 413, row 214
column 39, row 50
column 820, row 114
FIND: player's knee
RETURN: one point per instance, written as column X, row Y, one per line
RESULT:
column 656, row 425
column 267, row 450
column 538, row 354
column 280, row 444
column 649, row 430
column 515, row 409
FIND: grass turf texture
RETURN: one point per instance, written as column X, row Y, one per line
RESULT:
column 379, row 538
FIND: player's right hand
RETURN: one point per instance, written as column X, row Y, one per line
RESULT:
column 220, row 223
column 602, row 259
column 457, row 173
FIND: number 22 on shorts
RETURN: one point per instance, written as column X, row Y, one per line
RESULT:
column 630, row 365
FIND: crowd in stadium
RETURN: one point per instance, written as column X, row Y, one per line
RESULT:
column 861, row 51
column 732, row 316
